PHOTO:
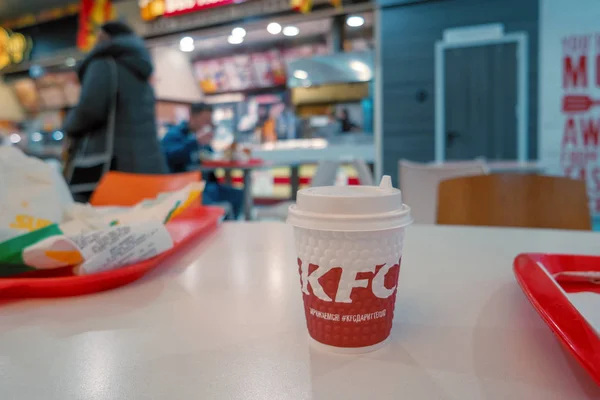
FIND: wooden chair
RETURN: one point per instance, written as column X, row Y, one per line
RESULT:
column 419, row 184
column 124, row 189
column 515, row 200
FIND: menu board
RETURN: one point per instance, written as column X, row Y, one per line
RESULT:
column 52, row 91
column 211, row 75
column 58, row 90
column 321, row 49
column 295, row 53
column 250, row 71
column 26, row 92
column 225, row 74
column 268, row 68
column 238, row 73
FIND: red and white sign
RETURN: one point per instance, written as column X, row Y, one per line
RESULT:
column 569, row 103
column 178, row 7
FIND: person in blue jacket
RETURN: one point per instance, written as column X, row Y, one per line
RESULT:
column 184, row 143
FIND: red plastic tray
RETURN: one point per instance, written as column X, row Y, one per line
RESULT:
column 191, row 224
column 534, row 272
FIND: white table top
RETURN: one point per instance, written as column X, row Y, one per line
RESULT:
column 220, row 323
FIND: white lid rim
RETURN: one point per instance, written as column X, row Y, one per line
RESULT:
column 347, row 223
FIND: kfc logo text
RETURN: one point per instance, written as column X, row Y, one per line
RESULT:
column 348, row 281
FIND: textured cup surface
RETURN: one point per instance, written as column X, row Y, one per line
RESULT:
column 348, row 282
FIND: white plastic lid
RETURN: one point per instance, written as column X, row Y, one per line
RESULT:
column 350, row 208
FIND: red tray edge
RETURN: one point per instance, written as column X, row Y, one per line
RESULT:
column 534, row 281
column 102, row 280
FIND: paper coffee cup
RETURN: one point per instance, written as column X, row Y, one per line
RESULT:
column 349, row 245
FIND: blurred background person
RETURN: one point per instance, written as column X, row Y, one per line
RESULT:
column 183, row 143
column 136, row 148
column 186, row 144
column 269, row 127
column 345, row 122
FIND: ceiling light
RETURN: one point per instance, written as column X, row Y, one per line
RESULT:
column 36, row 137
column 235, row 39
column 15, row 138
column 186, row 44
column 70, row 62
column 238, row 32
column 274, row 28
column 300, row 74
column 363, row 70
column 186, row 41
column 355, row 21
column 58, row 135
column 291, row 31
column 358, row 66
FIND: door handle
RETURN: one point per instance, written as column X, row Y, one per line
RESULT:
column 451, row 136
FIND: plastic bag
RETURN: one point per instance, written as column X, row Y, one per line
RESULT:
column 33, row 195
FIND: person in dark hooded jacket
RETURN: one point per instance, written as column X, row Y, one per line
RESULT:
column 136, row 146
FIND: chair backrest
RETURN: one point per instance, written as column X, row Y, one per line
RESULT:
column 419, row 184
column 325, row 174
column 124, row 189
column 516, row 200
column 365, row 176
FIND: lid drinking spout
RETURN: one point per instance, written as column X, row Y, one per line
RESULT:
column 386, row 182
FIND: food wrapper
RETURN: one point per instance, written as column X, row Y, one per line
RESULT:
column 33, row 194
column 95, row 240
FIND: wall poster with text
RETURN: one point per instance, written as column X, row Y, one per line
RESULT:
column 569, row 102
